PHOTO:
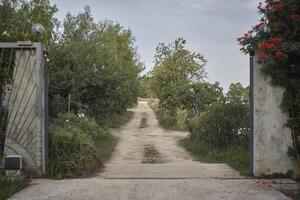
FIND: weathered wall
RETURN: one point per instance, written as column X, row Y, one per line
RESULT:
column 271, row 137
column 24, row 132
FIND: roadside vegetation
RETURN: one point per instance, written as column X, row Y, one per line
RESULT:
column 10, row 187
column 218, row 122
column 79, row 146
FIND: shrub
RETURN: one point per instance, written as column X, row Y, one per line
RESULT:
column 181, row 117
column 73, row 149
column 221, row 125
column 166, row 118
column 72, row 153
column 87, row 125
column 11, row 186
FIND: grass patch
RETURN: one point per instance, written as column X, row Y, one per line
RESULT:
column 9, row 187
column 170, row 120
column 236, row 157
column 118, row 120
column 105, row 147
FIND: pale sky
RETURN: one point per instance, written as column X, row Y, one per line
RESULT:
column 209, row 26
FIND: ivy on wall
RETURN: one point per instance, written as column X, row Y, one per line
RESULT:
column 276, row 38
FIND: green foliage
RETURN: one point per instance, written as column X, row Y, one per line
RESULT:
column 87, row 125
column 73, row 150
column 18, row 16
column 117, row 120
column 146, row 87
column 175, row 70
column 223, row 123
column 10, row 187
column 236, row 157
column 95, row 62
column 169, row 119
column 166, row 119
column 79, row 146
column 203, row 94
column 72, row 153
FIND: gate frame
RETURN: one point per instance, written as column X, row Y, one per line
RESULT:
column 41, row 70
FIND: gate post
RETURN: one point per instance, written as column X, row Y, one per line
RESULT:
column 269, row 135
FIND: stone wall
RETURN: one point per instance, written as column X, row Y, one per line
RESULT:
column 271, row 138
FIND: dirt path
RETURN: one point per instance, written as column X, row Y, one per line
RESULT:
column 149, row 165
column 134, row 141
column 152, row 152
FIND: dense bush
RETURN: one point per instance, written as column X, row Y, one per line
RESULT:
column 221, row 125
column 166, row 118
column 73, row 146
column 72, row 153
column 86, row 124
column 169, row 119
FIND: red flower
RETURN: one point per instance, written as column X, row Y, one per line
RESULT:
column 263, row 56
column 295, row 17
column 276, row 40
column 265, row 46
column 279, row 54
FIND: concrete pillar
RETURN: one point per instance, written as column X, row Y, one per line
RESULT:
column 271, row 138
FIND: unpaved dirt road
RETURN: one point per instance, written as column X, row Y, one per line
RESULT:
column 135, row 140
column 149, row 165
column 152, row 152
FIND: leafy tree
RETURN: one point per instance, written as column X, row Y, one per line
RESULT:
column 95, row 62
column 175, row 70
column 203, row 95
column 223, row 123
column 238, row 93
column 18, row 16
column 145, row 88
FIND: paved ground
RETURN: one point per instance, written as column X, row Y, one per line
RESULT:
column 149, row 165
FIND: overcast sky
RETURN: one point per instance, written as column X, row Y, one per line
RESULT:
column 209, row 26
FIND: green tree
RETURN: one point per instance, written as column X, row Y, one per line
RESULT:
column 224, row 123
column 175, row 70
column 18, row 16
column 203, row 94
column 238, row 93
column 95, row 62
column 145, row 88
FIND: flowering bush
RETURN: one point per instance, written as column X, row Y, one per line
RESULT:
column 276, row 39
